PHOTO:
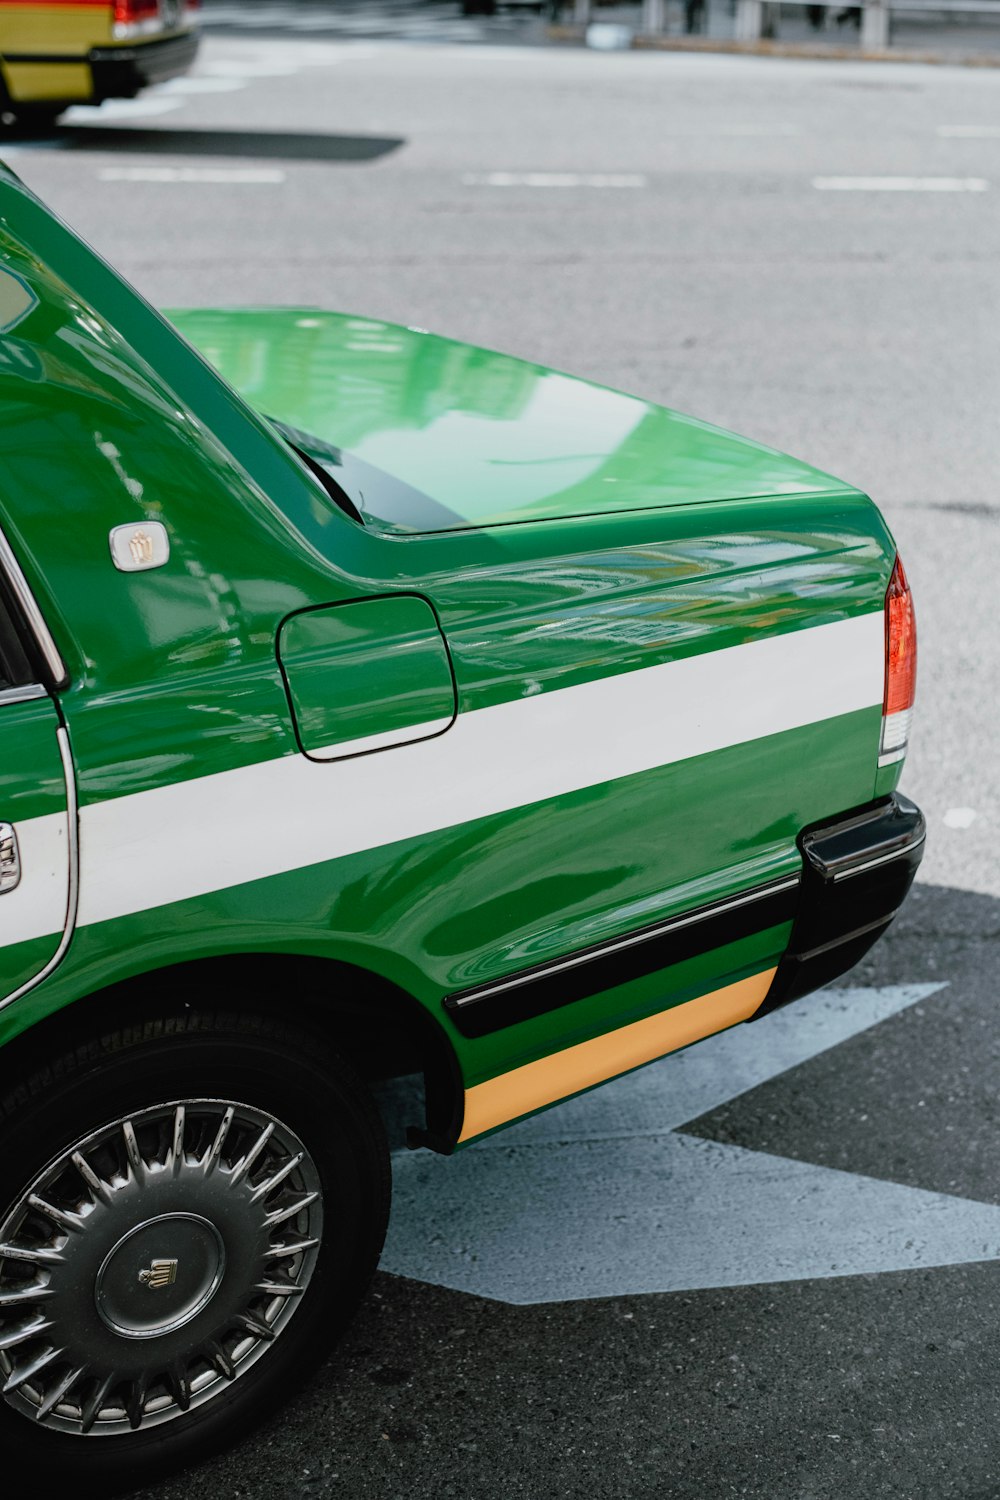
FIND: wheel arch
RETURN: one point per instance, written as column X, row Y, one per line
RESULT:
column 380, row 1028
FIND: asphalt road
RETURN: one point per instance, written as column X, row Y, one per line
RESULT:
column 668, row 224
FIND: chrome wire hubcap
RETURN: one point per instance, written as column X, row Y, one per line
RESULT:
column 153, row 1263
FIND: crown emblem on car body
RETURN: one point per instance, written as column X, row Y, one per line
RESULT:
column 159, row 1273
column 140, row 544
column 135, row 548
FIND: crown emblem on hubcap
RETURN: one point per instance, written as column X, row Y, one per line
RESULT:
column 159, row 1273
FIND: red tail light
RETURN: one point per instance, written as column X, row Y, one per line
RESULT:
column 136, row 10
column 900, row 666
column 140, row 18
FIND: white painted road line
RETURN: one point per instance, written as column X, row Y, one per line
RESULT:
column 969, row 132
column 603, row 1197
column 203, row 85
column 247, row 68
column 747, row 130
column 555, row 179
column 669, row 1214
column 710, row 132
column 901, row 184
column 254, row 175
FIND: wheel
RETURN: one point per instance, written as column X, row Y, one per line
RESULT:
column 6, row 108
column 190, row 1211
column 30, row 119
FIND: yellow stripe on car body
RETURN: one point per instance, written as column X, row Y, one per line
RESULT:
column 537, row 1084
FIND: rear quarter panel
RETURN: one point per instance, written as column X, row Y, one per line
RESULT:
column 650, row 706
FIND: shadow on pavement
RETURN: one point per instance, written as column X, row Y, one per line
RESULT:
column 276, row 145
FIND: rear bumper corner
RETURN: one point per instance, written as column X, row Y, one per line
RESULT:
column 856, row 873
column 120, row 72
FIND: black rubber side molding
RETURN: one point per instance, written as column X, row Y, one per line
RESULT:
column 855, row 876
column 488, row 1007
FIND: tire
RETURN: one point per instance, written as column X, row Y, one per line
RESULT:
column 6, row 109
column 30, row 119
column 156, row 1261
column 36, row 119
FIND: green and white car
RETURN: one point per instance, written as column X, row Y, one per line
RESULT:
column 372, row 704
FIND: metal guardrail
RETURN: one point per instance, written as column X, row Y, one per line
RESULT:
column 874, row 17
column 750, row 15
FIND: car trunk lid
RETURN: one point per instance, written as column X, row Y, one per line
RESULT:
column 424, row 434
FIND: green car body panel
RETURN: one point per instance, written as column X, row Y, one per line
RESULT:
column 582, row 667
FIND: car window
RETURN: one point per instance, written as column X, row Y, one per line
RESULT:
column 317, row 457
column 15, row 668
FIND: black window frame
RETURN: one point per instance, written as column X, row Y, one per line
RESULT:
column 29, row 657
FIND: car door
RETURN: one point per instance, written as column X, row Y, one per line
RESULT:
column 37, row 801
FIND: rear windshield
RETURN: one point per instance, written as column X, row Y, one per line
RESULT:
column 349, row 481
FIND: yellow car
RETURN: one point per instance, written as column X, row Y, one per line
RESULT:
column 54, row 53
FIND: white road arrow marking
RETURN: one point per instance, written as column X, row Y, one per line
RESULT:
column 602, row 1197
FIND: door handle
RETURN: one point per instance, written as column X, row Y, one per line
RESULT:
column 10, row 859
